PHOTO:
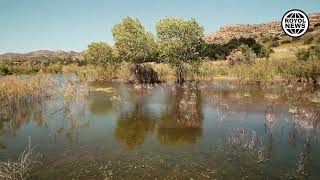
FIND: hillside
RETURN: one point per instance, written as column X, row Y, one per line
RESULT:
column 269, row 30
column 41, row 55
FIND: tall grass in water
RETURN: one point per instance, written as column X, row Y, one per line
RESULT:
column 19, row 91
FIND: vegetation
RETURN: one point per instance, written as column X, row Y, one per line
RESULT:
column 178, row 53
column 310, row 54
column 99, row 53
column 19, row 169
column 178, row 39
column 221, row 51
column 16, row 91
column 132, row 42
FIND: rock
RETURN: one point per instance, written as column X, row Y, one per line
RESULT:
column 270, row 30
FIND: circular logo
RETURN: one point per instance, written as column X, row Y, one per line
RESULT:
column 295, row 23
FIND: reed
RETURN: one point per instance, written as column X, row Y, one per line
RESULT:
column 20, row 168
column 18, row 91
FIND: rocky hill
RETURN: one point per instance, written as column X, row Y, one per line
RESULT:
column 270, row 30
column 41, row 55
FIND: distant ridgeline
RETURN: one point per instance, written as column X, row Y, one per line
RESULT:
column 270, row 30
column 42, row 55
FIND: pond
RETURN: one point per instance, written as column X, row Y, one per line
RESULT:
column 220, row 130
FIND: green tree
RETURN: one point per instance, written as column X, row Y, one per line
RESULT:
column 132, row 42
column 178, row 42
column 99, row 53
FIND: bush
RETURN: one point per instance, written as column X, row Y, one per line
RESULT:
column 303, row 55
column 317, row 25
column 265, row 39
column 4, row 70
column 285, row 41
column 310, row 29
column 220, row 51
column 276, row 38
column 274, row 44
column 265, row 52
column 313, row 53
column 308, row 40
column 242, row 55
column 296, row 39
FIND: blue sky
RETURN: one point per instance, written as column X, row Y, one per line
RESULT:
column 28, row 25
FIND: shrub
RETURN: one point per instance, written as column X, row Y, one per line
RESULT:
column 220, row 51
column 308, row 40
column 276, row 38
column 4, row 70
column 274, row 44
column 311, row 29
column 265, row 52
column 285, row 41
column 265, row 39
column 313, row 53
column 317, row 25
column 242, row 55
column 296, row 39
column 303, row 55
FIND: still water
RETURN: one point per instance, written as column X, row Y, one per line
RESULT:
column 221, row 130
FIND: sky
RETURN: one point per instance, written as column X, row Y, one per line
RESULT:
column 29, row 25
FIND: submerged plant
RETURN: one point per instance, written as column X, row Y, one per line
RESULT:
column 239, row 141
column 19, row 169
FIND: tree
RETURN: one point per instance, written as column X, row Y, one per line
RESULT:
column 99, row 53
column 178, row 42
column 132, row 42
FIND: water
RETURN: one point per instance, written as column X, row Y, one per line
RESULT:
column 220, row 130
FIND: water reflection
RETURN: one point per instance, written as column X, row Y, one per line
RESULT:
column 272, row 130
column 135, row 123
column 11, row 120
column 181, row 123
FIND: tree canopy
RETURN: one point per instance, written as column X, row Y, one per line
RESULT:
column 99, row 53
column 132, row 42
column 178, row 39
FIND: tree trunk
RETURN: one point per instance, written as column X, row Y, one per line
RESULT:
column 180, row 74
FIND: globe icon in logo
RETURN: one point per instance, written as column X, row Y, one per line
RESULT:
column 295, row 23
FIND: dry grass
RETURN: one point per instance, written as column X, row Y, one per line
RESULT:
column 19, row 169
column 15, row 91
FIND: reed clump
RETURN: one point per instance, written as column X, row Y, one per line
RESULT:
column 20, row 168
column 18, row 91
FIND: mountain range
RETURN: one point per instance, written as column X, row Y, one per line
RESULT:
column 42, row 55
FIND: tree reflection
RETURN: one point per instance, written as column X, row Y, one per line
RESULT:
column 181, row 123
column 134, row 125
